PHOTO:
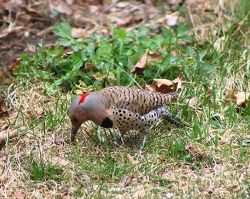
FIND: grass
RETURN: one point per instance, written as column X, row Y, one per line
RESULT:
column 210, row 158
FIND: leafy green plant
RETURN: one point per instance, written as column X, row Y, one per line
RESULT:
column 106, row 58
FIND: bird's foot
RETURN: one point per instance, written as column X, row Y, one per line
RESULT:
column 118, row 142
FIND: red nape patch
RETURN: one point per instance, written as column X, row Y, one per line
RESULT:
column 83, row 97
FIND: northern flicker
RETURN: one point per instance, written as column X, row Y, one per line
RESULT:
column 122, row 108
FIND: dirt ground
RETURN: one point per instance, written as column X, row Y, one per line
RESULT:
column 24, row 24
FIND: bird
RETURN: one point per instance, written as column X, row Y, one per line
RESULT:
column 123, row 108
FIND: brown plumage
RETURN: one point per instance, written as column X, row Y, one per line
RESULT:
column 123, row 108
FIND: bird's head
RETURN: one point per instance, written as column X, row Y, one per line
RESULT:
column 78, row 113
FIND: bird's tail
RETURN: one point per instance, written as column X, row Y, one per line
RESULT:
column 174, row 120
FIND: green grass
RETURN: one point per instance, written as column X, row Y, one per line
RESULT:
column 40, row 171
column 209, row 158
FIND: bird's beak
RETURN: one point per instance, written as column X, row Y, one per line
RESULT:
column 73, row 134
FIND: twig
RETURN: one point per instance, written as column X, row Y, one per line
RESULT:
column 191, row 16
column 8, row 135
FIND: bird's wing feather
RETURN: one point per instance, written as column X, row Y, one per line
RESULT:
column 136, row 100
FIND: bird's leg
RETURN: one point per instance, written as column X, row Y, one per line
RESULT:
column 119, row 138
column 145, row 136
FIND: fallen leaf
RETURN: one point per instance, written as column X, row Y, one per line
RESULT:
column 192, row 102
column 240, row 98
column 9, row 69
column 172, row 20
column 165, row 85
column 7, row 80
column 89, row 66
column 132, row 160
column 93, row 8
column 60, row 6
column 161, row 85
column 44, row 31
column 154, row 57
column 174, row 53
column 3, row 109
column 140, row 65
column 219, row 43
column 151, row 87
column 162, row 159
column 178, row 83
column 120, row 22
column 81, row 33
column 14, row 64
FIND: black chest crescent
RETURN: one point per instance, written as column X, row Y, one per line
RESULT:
column 107, row 123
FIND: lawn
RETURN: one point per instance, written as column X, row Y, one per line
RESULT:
column 208, row 158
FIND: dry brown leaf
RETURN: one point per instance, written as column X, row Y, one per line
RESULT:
column 7, row 80
column 172, row 20
column 161, row 82
column 178, row 83
column 154, row 57
column 14, row 65
column 132, row 160
column 93, row 8
column 89, row 66
column 44, row 31
column 166, row 86
column 121, row 22
column 218, row 44
column 60, row 6
column 240, row 98
column 3, row 111
column 161, row 85
column 9, row 69
column 81, row 33
column 192, row 102
column 140, row 65
column 151, row 87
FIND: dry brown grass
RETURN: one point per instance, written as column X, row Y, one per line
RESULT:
column 93, row 170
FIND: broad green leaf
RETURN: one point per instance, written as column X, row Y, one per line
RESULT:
column 62, row 30
column 76, row 61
